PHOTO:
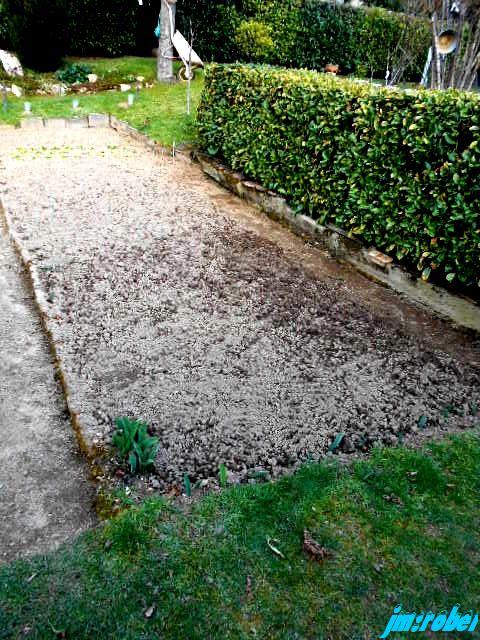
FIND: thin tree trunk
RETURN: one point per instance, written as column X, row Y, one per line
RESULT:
column 165, row 49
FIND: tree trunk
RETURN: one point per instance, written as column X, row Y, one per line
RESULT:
column 165, row 49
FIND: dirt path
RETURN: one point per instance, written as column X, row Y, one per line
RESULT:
column 174, row 302
column 45, row 497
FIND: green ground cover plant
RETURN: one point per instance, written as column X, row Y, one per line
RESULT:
column 398, row 169
column 399, row 528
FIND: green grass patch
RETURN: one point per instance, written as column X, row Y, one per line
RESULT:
column 122, row 69
column 400, row 528
column 159, row 112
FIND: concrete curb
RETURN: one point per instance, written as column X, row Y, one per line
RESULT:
column 368, row 261
column 90, row 450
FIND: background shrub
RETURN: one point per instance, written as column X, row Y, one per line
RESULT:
column 107, row 28
column 5, row 42
column 397, row 169
column 394, row 31
column 215, row 25
column 306, row 33
column 254, row 40
column 329, row 34
column 37, row 31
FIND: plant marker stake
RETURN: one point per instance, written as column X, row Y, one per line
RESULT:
column 189, row 70
column 27, row 106
column 75, row 104
column 5, row 98
column 130, row 99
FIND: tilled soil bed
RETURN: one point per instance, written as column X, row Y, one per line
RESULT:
column 173, row 302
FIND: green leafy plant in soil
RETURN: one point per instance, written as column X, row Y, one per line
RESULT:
column 397, row 169
column 74, row 72
column 132, row 441
column 399, row 528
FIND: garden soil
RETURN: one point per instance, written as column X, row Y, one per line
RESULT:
column 174, row 302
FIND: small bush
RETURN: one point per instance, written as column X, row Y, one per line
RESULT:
column 254, row 40
column 397, row 169
column 37, row 31
column 76, row 72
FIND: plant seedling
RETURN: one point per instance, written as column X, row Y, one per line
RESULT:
column 223, row 475
column 134, row 443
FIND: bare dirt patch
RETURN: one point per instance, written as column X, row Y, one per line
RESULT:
column 173, row 302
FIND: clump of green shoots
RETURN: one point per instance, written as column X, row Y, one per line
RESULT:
column 134, row 444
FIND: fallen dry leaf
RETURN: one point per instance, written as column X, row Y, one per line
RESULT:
column 149, row 612
column 392, row 498
column 248, row 587
column 313, row 549
column 173, row 492
column 275, row 550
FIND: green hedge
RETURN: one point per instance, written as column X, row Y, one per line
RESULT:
column 362, row 41
column 397, row 169
column 308, row 33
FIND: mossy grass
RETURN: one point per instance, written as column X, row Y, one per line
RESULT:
column 400, row 528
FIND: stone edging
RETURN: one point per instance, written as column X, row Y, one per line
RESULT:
column 368, row 261
column 90, row 450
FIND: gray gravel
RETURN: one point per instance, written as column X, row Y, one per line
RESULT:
column 175, row 303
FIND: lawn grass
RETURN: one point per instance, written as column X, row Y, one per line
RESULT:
column 125, row 67
column 401, row 527
column 159, row 112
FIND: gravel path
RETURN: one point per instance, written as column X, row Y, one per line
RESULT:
column 45, row 497
column 176, row 303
